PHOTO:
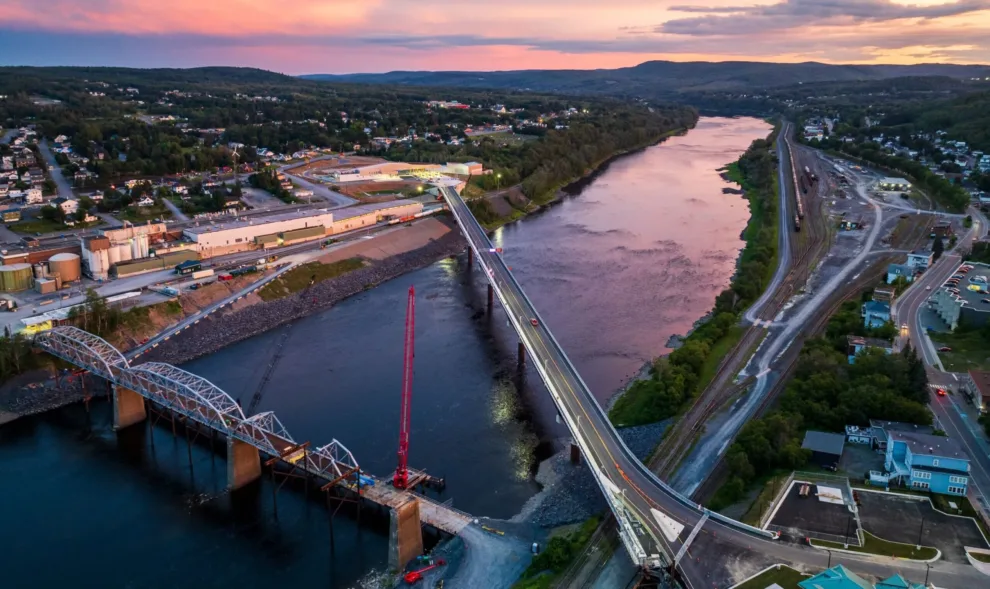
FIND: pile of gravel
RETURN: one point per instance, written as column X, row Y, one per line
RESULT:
column 570, row 493
column 41, row 397
column 220, row 330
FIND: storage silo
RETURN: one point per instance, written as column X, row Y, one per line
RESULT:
column 124, row 251
column 67, row 266
column 15, row 277
column 40, row 270
column 113, row 256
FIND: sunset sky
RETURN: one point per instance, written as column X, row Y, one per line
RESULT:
column 343, row 36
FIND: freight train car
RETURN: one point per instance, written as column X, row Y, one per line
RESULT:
column 797, row 223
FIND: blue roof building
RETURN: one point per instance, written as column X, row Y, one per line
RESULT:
column 894, row 271
column 875, row 314
column 927, row 463
column 839, row 577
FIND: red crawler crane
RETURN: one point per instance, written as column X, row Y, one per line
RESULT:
column 401, row 478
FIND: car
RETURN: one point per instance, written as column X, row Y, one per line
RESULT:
column 534, row 321
column 985, row 300
column 945, row 349
column 941, row 392
column 928, row 287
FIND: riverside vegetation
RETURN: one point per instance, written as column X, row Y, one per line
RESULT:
column 827, row 393
column 676, row 378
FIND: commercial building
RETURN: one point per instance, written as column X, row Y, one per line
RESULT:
column 839, row 577
column 894, row 184
column 976, row 386
column 962, row 303
column 926, row 462
column 359, row 216
column 826, row 448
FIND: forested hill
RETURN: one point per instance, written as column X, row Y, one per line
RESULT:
column 663, row 78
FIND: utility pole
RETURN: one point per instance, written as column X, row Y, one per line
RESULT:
column 921, row 530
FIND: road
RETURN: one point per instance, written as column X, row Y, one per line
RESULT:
column 714, row 444
column 334, row 198
column 626, row 482
column 785, row 191
column 907, row 311
column 64, row 186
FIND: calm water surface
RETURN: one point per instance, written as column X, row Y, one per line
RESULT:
column 638, row 254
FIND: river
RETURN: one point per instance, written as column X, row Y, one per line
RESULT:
column 637, row 252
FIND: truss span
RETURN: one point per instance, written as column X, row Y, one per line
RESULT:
column 186, row 393
column 193, row 397
column 82, row 349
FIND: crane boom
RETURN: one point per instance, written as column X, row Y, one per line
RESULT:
column 401, row 479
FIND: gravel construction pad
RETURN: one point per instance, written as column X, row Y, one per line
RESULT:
column 899, row 519
column 807, row 516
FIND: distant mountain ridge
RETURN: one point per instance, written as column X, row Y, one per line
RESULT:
column 662, row 77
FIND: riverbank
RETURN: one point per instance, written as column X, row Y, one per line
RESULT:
column 243, row 322
column 512, row 205
column 685, row 372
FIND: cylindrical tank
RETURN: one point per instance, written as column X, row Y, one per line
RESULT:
column 15, row 277
column 135, row 249
column 66, row 265
column 144, row 246
column 124, row 251
column 113, row 256
column 40, row 270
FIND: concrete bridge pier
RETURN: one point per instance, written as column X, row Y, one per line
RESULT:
column 522, row 354
column 243, row 464
column 491, row 298
column 470, row 258
column 405, row 540
column 128, row 407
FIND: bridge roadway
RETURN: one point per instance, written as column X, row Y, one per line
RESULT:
column 654, row 519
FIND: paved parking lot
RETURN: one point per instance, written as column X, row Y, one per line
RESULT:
column 900, row 519
column 808, row 516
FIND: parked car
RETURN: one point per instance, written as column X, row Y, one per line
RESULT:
column 945, row 349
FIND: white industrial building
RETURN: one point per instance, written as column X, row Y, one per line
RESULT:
column 113, row 246
column 221, row 238
column 894, row 184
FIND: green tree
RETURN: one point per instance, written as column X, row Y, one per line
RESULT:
column 937, row 248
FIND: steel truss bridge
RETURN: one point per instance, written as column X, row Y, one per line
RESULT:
column 656, row 523
column 198, row 400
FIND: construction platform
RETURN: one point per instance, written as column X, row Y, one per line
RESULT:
column 440, row 516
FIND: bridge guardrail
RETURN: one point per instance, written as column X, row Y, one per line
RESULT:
column 673, row 493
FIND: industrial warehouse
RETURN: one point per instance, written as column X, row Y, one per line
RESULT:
column 217, row 239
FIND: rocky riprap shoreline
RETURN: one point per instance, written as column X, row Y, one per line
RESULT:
column 221, row 330
column 570, row 494
column 38, row 397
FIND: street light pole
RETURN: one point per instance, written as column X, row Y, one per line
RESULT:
column 928, row 568
column 829, row 559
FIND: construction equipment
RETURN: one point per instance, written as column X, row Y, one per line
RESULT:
column 416, row 576
column 401, row 478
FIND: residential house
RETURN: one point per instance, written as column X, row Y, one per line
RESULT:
column 856, row 344
column 927, row 462
column 884, row 295
column 941, row 230
column 875, row 314
column 146, row 201
column 976, row 386
column 4, row 190
column 68, row 205
column 919, row 259
column 33, row 196
column 895, row 271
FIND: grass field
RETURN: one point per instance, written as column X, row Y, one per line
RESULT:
column 980, row 557
column 32, row 226
column 786, row 577
column 970, row 351
column 300, row 278
column 874, row 545
column 141, row 214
